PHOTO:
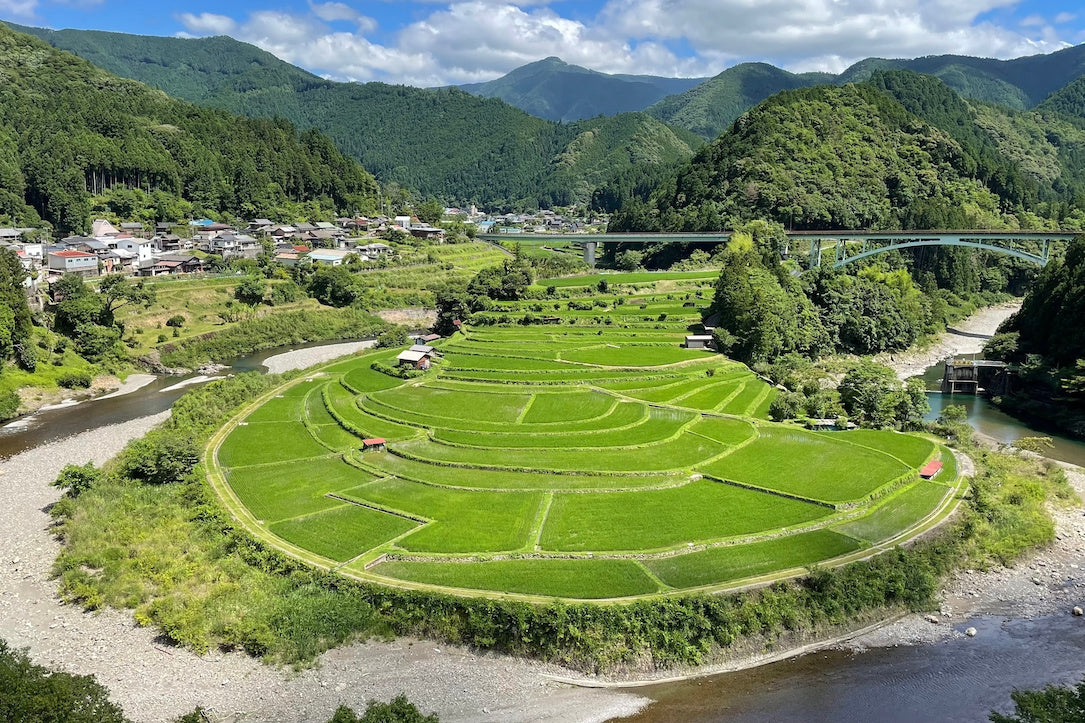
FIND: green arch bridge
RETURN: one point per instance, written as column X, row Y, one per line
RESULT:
column 846, row 246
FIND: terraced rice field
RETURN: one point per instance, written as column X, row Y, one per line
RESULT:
column 582, row 460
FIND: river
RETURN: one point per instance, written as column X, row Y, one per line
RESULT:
column 158, row 396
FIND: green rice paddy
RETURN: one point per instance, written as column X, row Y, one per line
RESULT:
column 591, row 458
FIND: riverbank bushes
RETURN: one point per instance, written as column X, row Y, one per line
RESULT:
column 171, row 553
column 295, row 327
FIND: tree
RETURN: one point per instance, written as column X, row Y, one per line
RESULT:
column 333, row 286
column 161, row 457
column 866, row 392
column 250, row 291
column 1052, row 704
column 118, row 291
column 76, row 479
column 13, row 296
column 35, row 693
column 431, row 212
column 453, row 304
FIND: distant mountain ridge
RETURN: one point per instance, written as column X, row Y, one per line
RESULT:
column 553, row 89
column 557, row 91
column 443, row 143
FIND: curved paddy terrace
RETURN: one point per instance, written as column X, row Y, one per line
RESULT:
column 544, row 461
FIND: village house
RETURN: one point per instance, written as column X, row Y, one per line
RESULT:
column 416, row 359
column 425, row 231
column 144, row 249
column 329, row 257
column 133, row 228
column 70, row 261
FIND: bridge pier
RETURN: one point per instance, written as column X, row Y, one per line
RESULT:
column 589, row 252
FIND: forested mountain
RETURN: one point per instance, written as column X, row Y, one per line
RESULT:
column 824, row 157
column 444, row 143
column 71, row 132
column 554, row 90
column 900, row 151
column 1021, row 83
column 1069, row 100
column 709, row 108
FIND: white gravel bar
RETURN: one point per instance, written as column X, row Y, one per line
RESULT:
column 304, row 358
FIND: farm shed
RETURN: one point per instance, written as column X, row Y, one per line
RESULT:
column 931, row 469
column 376, row 443
column 416, row 359
column 699, row 341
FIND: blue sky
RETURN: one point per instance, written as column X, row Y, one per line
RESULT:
column 436, row 43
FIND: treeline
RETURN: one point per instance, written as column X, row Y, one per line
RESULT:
column 1046, row 346
column 899, row 151
column 153, row 502
column 439, row 142
column 70, row 132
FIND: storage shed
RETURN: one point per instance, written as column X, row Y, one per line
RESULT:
column 931, row 469
column 699, row 341
column 416, row 359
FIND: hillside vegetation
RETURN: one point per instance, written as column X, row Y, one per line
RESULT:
column 1020, row 84
column 70, row 131
column 443, row 143
column 900, row 151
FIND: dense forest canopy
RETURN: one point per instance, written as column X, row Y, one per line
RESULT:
column 900, row 151
column 70, row 132
column 441, row 143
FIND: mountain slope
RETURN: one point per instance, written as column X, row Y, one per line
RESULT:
column 823, row 158
column 1021, row 83
column 1018, row 83
column 72, row 134
column 712, row 106
column 557, row 91
column 443, row 143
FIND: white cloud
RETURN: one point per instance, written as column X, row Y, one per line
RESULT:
column 475, row 40
column 802, row 34
column 20, row 9
column 208, row 23
column 1063, row 18
column 331, row 12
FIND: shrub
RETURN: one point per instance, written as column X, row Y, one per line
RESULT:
column 35, row 693
column 74, row 379
column 395, row 337
column 176, row 321
column 161, row 457
column 25, row 357
column 9, row 404
column 76, row 479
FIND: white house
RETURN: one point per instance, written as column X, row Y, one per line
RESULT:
column 142, row 249
column 70, row 261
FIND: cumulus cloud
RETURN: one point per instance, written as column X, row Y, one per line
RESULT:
column 23, row 9
column 475, row 40
column 826, row 34
column 208, row 24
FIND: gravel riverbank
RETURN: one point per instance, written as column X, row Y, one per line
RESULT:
column 153, row 681
column 966, row 337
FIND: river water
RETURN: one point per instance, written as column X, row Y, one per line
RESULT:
column 961, row 679
column 52, row 424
